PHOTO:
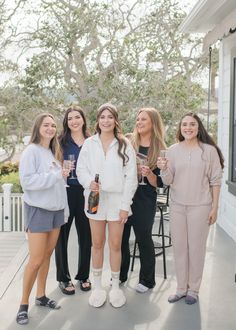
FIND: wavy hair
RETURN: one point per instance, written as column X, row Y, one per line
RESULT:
column 157, row 142
column 66, row 132
column 36, row 137
column 122, row 143
column 202, row 135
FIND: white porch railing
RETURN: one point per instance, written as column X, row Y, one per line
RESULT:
column 11, row 210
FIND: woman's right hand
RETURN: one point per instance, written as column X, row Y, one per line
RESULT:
column 162, row 163
column 94, row 186
column 65, row 173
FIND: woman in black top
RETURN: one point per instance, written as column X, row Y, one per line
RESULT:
column 147, row 139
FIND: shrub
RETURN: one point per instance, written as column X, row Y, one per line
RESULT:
column 11, row 178
column 8, row 167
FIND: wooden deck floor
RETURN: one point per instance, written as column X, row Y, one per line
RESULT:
column 13, row 251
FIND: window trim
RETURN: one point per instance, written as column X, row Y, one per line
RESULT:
column 232, row 184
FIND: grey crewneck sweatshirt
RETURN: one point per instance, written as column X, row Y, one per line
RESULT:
column 41, row 179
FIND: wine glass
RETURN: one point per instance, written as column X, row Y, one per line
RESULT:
column 67, row 166
column 71, row 158
column 142, row 160
column 163, row 153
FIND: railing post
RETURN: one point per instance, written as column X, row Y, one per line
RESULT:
column 7, row 206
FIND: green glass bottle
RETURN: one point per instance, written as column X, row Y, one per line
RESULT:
column 93, row 199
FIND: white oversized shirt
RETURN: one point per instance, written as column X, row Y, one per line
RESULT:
column 113, row 176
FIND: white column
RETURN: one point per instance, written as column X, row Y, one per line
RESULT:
column 7, row 206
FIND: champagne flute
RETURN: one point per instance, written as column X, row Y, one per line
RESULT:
column 163, row 153
column 67, row 166
column 71, row 158
column 163, row 157
column 142, row 160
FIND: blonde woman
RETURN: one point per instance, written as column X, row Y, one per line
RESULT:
column 147, row 139
column 109, row 154
column 45, row 203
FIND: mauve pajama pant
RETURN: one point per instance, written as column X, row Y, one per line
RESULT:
column 189, row 231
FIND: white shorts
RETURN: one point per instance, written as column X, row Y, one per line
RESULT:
column 108, row 208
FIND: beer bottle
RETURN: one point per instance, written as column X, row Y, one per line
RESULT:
column 93, row 199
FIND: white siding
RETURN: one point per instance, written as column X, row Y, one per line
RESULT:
column 227, row 210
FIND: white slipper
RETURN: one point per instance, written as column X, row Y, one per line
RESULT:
column 97, row 298
column 141, row 288
column 117, row 298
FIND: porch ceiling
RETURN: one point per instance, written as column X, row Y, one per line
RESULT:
column 206, row 15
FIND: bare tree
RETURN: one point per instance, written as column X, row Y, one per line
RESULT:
column 130, row 53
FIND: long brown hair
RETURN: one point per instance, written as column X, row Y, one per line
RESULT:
column 36, row 137
column 66, row 132
column 202, row 135
column 122, row 143
column 157, row 136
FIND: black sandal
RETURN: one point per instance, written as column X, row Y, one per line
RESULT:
column 46, row 302
column 64, row 287
column 22, row 318
column 85, row 288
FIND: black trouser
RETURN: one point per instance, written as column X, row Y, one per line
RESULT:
column 146, row 251
column 76, row 207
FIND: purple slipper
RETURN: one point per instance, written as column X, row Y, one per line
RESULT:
column 190, row 300
column 176, row 297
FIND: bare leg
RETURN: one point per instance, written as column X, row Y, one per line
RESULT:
column 98, row 229
column 37, row 247
column 98, row 232
column 115, row 230
column 43, row 270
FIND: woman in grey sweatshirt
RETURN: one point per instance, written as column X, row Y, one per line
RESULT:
column 45, row 204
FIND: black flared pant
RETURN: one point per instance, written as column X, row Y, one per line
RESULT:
column 76, row 207
column 142, row 219
column 146, row 253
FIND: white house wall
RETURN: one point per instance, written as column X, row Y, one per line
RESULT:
column 227, row 210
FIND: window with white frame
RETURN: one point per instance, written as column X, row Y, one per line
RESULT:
column 232, row 128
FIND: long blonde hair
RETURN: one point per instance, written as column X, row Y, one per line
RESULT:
column 36, row 137
column 157, row 136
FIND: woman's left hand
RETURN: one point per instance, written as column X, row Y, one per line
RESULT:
column 145, row 170
column 212, row 216
column 123, row 216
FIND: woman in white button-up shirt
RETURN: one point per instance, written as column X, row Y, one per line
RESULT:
column 109, row 154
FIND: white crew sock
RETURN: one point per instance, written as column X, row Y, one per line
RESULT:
column 97, row 278
column 115, row 279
